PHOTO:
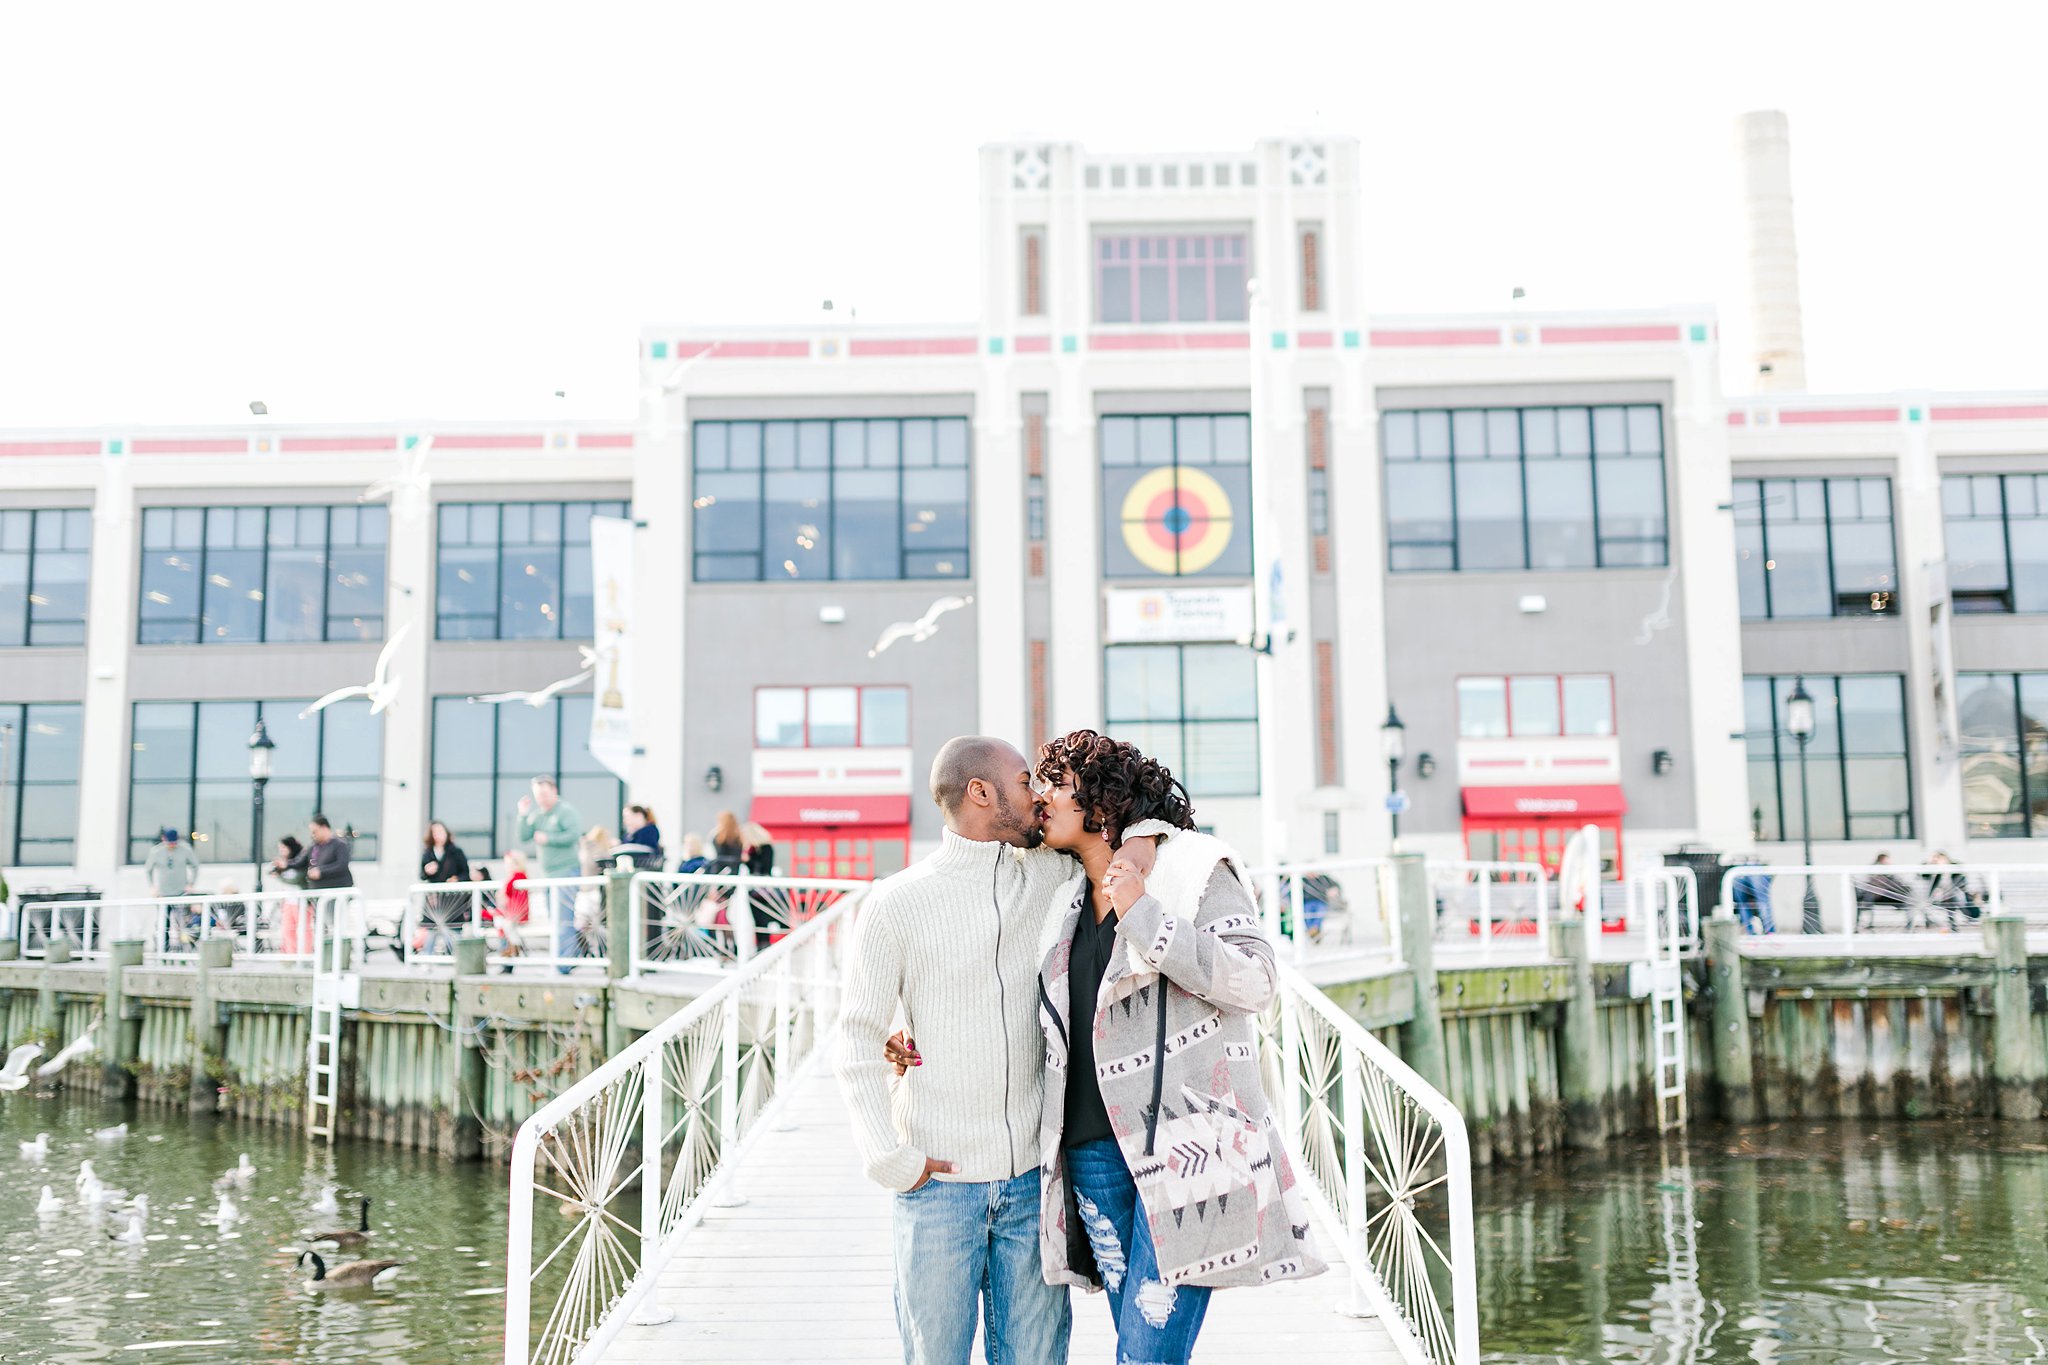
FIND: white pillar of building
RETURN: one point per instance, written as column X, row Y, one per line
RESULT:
column 1002, row 668
column 408, row 722
column 104, row 755
column 661, row 580
column 1763, row 143
column 1930, row 672
column 1073, row 493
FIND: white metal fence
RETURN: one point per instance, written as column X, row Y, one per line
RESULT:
column 1883, row 901
column 1386, row 1155
column 1330, row 909
column 691, row 920
column 1497, row 909
column 561, row 923
column 612, row 1173
column 276, row 925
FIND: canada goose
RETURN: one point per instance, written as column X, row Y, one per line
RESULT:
column 50, row 1203
column 118, row 1133
column 326, row 1202
column 132, row 1235
column 345, row 1237
column 14, row 1076
column 350, row 1274
column 37, row 1150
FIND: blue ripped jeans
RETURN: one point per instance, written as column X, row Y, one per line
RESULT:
column 965, row 1244
column 1155, row 1325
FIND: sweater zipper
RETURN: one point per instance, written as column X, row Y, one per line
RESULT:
column 1003, row 1004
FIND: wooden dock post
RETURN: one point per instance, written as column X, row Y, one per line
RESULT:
column 122, row 1020
column 49, row 1008
column 1581, row 1052
column 619, row 928
column 1734, row 1071
column 209, row 1031
column 468, row 1102
column 1422, row 1037
column 2017, row 1067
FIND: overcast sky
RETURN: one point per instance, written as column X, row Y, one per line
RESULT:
column 437, row 210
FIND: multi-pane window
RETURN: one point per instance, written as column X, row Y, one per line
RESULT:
column 1997, row 528
column 1031, row 272
column 1815, row 547
column 856, row 498
column 1525, row 488
column 516, row 570
column 831, row 717
column 251, row 575
column 39, row 753
column 1536, row 706
column 486, row 757
column 1179, row 278
column 1176, row 496
column 189, row 771
column 2004, row 754
column 1856, row 761
column 45, row 559
column 1192, row 707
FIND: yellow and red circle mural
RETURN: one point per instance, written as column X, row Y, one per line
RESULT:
column 1177, row 521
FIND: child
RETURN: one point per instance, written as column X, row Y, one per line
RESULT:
column 513, row 906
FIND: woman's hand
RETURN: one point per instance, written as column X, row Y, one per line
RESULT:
column 901, row 1050
column 430, row 869
column 1123, row 886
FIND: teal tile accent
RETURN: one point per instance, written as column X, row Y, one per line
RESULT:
column 1070, row 344
column 658, row 349
column 114, row 447
column 995, row 345
column 1351, row 341
column 1279, row 341
column 1912, row 414
column 1699, row 331
column 411, row 441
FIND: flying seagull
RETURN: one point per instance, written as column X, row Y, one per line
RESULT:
column 920, row 630
column 71, row 1051
column 382, row 689
column 411, row 477
column 14, row 1076
column 591, row 658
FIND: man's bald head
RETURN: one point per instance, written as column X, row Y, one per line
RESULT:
column 983, row 785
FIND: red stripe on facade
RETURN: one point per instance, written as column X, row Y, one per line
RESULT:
column 1822, row 416
column 315, row 445
column 1313, row 341
column 1738, row 419
column 874, row 772
column 1444, row 336
column 745, row 350
column 192, row 445
column 49, row 447
column 529, row 442
column 1033, row 345
column 1554, row 336
column 2008, row 412
column 887, row 346
column 608, row 441
column 1170, row 341
column 788, row 774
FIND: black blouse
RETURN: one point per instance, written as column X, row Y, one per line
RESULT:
column 1095, row 945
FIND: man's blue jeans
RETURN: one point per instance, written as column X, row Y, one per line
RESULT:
column 1155, row 1323
column 568, row 943
column 962, row 1241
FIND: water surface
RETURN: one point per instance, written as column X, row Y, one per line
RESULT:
column 1816, row 1243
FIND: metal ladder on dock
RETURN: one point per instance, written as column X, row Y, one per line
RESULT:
column 335, row 988
column 1664, row 916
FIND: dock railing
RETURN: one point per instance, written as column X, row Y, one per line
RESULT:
column 1883, row 907
column 1499, row 909
column 687, row 920
column 564, row 924
column 272, row 925
column 1386, row 1156
column 609, row 1176
column 1330, row 909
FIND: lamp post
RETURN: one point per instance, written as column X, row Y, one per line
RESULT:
column 1799, row 720
column 260, row 745
column 1393, row 743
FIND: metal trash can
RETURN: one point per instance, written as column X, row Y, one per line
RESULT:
column 1707, row 868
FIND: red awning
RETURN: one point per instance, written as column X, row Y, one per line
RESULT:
column 1509, row 803
column 789, row 812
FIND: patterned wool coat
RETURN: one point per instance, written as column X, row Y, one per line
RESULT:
column 1214, row 1182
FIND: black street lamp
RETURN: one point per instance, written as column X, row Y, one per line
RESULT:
column 1393, row 742
column 260, row 745
column 1799, row 720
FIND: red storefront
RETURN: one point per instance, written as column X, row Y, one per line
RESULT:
column 834, row 835
column 1532, row 824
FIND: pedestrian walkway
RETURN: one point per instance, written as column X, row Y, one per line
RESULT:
column 801, row 1272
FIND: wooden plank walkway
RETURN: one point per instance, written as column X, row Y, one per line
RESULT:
column 802, row 1272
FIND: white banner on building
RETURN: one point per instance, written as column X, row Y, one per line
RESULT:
column 1147, row 615
column 611, row 577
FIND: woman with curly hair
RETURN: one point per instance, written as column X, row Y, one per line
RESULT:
column 1164, row 1174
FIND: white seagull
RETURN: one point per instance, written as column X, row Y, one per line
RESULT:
column 86, row 1174
column 49, row 1203
column 327, row 1202
column 382, row 689
column 132, row 1235
column 591, row 659
column 410, row 479
column 71, row 1051
column 118, row 1133
column 14, row 1076
column 922, row 629
column 37, row 1150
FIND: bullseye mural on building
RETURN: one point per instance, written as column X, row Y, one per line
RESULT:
column 1176, row 496
column 1177, row 524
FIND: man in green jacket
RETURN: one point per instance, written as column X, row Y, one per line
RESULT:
column 554, row 829
column 171, row 867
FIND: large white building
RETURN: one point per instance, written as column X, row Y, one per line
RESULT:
column 1583, row 576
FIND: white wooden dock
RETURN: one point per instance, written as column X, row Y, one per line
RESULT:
column 801, row 1272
